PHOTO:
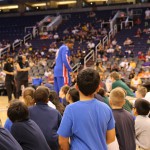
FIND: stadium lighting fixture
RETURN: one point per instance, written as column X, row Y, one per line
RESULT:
column 38, row 4
column 96, row 0
column 9, row 7
column 66, row 2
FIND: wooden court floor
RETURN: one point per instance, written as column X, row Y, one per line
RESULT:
column 3, row 108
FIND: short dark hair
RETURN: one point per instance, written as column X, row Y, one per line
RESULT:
column 74, row 93
column 88, row 80
column 142, row 106
column 18, row 111
column 41, row 94
column 69, row 41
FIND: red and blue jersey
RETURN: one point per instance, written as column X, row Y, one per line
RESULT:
column 62, row 67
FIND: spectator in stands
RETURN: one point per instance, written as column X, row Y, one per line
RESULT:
column 28, row 96
column 110, row 51
column 133, row 64
column 22, row 73
column 138, row 33
column 48, row 119
column 24, row 130
column 102, row 92
column 62, row 94
column 128, row 41
column 91, row 45
column 9, row 79
column 148, row 56
column 56, row 36
column 124, row 64
column 147, row 14
column 141, row 92
column 135, row 82
column 47, row 72
column 125, row 131
column 7, row 141
column 81, row 128
column 114, row 42
column 142, row 124
column 115, row 67
column 116, row 82
column 99, row 67
column 141, row 73
column 72, row 95
column 132, row 74
column 142, row 57
column 54, row 98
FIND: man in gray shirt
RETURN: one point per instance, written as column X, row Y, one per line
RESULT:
column 142, row 124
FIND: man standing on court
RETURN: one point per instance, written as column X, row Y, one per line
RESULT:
column 9, row 80
column 62, row 67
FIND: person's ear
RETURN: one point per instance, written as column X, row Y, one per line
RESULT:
column 135, row 111
column 124, row 101
column 98, row 88
column 110, row 102
column 76, row 86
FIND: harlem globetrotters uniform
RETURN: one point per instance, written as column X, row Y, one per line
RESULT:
column 62, row 68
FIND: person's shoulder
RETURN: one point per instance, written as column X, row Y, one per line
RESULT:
column 128, row 114
column 95, row 102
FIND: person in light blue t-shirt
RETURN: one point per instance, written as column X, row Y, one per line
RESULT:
column 88, row 123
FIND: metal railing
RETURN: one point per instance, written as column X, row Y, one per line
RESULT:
column 103, row 23
column 27, row 37
column 96, row 49
column 124, row 23
column 88, row 57
column 105, row 40
column 4, row 50
column 15, row 44
column 76, row 67
column 110, row 34
column 115, row 29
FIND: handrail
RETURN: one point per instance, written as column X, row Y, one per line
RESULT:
column 104, row 23
column 110, row 34
column 4, row 50
column 27, row 37
column 29, row 27
column 15, row 44
column 125, row 22
column 76, row 67
column 96, row 49
column 88, row 57
column 115, row 29
column 105, row 39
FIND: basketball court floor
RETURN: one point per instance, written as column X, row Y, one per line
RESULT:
column 3, row 108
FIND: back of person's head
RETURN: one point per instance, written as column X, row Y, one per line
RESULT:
column 142, row 107
column 41, row 94
column 54, row 98
column 141, row 92
column 117, row 97
column 63, row 91
column 69, row 41
column 102, row 92
column 72, row 95
column 88, row 81
column 18, row 111
column 115, row 75
column 28, row 96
